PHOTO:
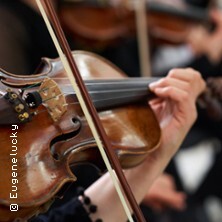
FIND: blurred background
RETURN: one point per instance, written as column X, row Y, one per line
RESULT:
column 145, row 38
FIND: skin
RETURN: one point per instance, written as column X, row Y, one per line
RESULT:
column 163, row 195
column 175, row 108
column 176, row 112
column 199, row 36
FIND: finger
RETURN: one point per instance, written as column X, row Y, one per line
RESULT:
column 158, row 109
column 192, row 77
column 172, row 93
column 155, row 101
column 175, row 82
column 187, row 74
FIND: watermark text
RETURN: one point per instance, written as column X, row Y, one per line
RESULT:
column 14, row 177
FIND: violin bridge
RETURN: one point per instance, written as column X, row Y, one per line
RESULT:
column 53, row 98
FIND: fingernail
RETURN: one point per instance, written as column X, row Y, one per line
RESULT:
column 153, row 84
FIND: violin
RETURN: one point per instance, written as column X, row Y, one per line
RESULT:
column 44, row 132
column 100, row 25
column 45, row 107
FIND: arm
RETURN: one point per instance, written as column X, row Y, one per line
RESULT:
column 175, row 108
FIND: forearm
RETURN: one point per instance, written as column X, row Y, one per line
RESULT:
column 103, row 194
column 176, row 113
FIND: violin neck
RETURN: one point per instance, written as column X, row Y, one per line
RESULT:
column 112, row 93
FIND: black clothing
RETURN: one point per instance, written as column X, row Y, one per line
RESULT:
column 24, row 39
column 199, row 3
column 72, row 211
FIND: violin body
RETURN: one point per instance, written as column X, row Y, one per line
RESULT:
column 38, row 148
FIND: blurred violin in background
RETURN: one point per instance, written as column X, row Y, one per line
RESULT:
column 94, row 24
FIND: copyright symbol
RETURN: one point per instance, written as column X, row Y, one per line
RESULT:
column 13, row 207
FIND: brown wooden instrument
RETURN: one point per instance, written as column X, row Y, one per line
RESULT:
column 95, row 25
column 43, row 130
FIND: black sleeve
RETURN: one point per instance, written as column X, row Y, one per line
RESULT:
column 73, row 211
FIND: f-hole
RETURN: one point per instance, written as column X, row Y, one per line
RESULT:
column 65, row 137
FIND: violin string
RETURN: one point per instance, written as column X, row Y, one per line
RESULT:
column 102, row 82
column 53, row 97
column 30, row 86
column 47, row 88
column 114, row 81
column 102, row 92
column 93, row 84
column 94, row 92
column 95, row 101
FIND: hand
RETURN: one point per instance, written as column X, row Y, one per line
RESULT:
column 175, row 107
column 163, row 194
column 176, row 112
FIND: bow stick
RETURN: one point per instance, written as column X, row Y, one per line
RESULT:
column 89, row 110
